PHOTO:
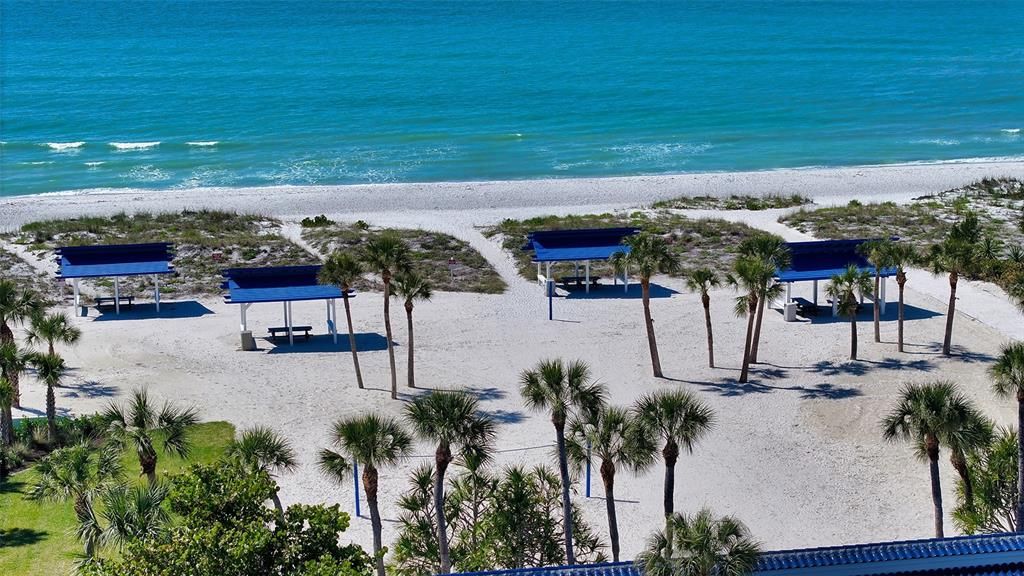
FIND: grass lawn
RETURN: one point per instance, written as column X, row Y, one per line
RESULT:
column 430, row 253
column 698, row 242
column 38, row 538
column 206, row 242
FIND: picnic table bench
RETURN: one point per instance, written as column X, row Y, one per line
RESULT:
column 578, row 280
column 806, row 307
column 101, row 300
column 284, row 330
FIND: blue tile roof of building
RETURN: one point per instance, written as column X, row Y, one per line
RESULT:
column 980, row 555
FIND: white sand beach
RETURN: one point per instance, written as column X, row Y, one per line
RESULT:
column 797, row 453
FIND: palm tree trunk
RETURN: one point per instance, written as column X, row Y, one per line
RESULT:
column 757, row 330
column 671, row 455
column 391, row 343
column 277, row 504
column 1020, row 460
column 147, row 462
column 6, row 426
column 878, row 307
column 14, row 379
column 608, row 475
column 707, row 324
column 853, row 335
column 645, row 284
column 408, row 315
column 352, row 338
column 899, row 331
column 51, row 416
column 370, row 488
column 563, row 471
column 956, row 458
column 950, row 310
column 441, row 459
column 751, row 311
column 933, row 467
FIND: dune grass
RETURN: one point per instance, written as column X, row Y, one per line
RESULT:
column 38, row 538
column 14, row 268
column 430, row 253
column 206, row 241
column 697, row 242
column 734, row 202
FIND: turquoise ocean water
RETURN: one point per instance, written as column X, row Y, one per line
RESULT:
column 162, row 94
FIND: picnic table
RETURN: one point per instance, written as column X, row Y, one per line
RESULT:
column 284, row 330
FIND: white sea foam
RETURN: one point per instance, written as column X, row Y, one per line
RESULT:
column 37, row 163
column 1010, row 130
column 133, row 145
column 204, row 143
column 147, row 173
column 937, row 141
column 95, row 164
column 64, row 146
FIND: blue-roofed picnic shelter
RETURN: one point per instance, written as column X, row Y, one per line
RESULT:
column 980, row 555
column 578, row 245
column 116, row 261
column 823, row 259
column 285, row 284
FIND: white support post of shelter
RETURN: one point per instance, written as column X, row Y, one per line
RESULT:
column 156, row 291
column 789, row 291
column 244, row 325
column 625, row 279
column 78, row 301
column 538, row 273
column 547, row 274
column 288, row 318
column 117, row 295
column 587, row 265
column 334, row 320
column 882, row 296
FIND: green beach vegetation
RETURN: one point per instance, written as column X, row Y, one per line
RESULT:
column 206, row 242
column 696, row 242
column 446, row 262
column 734, row 202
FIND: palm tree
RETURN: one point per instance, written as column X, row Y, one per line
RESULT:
column 615, row 436
column 774, row 253
column 78, row 473
column 133, row 426
column 50, row 369
column 956, row 255
column 13, row 362
column 1008, row 374
column 679, row 419
column 703, row 280
column 974, row 435
column 16, row 306
column 901, row 255
column 373, row 441
column 52, row 329
column 387, row 254
column 749, row 275
column 453, row 420
column 877, row 253
column 6, row 418
column 700, row 545
column 928, row 416
column 648, row 254
column 260, row 448
column 563, row 389
column 411, row 286
column 342, row 270
column 843, row 289
column 134, row 513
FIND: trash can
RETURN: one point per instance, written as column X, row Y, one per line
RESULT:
column 248, row 342
column 789, row 312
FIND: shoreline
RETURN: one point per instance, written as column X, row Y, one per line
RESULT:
column 898, row 183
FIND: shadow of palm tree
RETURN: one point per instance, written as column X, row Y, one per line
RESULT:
column 505, row 416
column 90, row 389
column 13, row 537
column 731, row 388
column 829, row 368
column 486, row 394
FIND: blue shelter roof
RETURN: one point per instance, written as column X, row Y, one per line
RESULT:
column 581, row 244
column 114, row 260
column 980, row 555
column 821, row 260
column 276, row 284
